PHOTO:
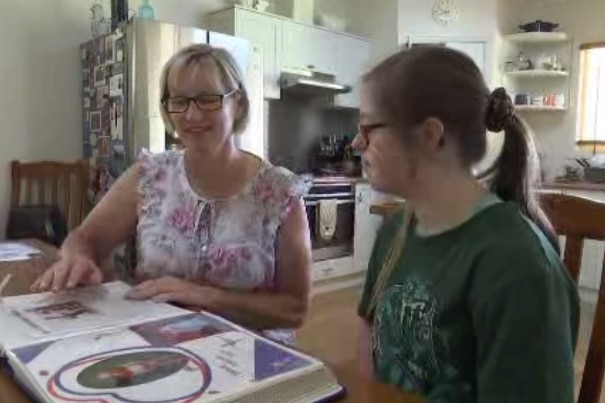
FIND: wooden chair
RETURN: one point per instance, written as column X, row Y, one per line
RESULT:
column 577, row 219
column 45, row 182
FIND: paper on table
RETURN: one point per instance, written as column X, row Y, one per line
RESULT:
column 13, row 251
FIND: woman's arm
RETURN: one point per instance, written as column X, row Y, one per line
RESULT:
column 86, row 248
column 285, row 307
column 109, row 224
column 366, row 363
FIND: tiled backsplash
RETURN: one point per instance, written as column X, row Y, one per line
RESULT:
column 295, row 126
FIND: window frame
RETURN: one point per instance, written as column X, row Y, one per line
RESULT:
column 587, row 141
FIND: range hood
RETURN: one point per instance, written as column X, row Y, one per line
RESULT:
column 311, row 82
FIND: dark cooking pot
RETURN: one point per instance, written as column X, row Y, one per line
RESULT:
column 539, row 26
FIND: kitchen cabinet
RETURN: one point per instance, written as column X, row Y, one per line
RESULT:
column 353, row 60
column 263, row 31
column 289, row 44
column 332, row 268
column 366, row 224
column 344, row 56
column 309, row 48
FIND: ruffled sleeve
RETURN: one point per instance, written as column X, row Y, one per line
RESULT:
column 154, row 170
column 278, row 189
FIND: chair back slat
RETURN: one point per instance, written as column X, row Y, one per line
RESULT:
column 572, row 257
column 579, row 219
column 52, row 182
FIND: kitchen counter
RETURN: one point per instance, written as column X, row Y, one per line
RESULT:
column 579, row 185
column 385, row 209
column 570, row 185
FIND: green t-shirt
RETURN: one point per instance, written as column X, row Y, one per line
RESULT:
column 484, row 312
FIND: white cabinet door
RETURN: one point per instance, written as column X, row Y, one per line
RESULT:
column 353, row 56
column 366, row 224
column 265, row 33
column 309, row 48
column 298, row 49
column 332, row 268
column 343, row 56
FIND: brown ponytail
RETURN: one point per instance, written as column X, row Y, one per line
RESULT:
column 515, row 172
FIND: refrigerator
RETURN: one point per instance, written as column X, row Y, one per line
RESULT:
column 121, row 98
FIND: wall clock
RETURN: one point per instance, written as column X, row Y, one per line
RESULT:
column 446, row 11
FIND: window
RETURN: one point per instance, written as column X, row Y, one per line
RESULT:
column 591, row 100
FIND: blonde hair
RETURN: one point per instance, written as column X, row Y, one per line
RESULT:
column 391, row 259
column 231, row 78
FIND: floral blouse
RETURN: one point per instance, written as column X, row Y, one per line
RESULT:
column 228, row 242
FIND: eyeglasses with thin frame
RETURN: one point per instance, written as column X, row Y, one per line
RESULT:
column 204, row 102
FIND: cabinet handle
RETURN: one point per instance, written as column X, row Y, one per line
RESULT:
column 360, row 198
column 328, row 270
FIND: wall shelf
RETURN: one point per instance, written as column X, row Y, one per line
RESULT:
column 538, row 37
column 538, row 82
column 538, row 73
column 535, row 108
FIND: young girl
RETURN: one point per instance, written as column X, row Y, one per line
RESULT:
column 466, row 299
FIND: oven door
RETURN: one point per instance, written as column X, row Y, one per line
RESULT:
column 341, row 243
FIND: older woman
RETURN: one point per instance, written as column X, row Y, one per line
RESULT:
column 218, row 228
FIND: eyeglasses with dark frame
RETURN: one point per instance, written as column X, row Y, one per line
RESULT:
column 204, row 102
column 365, row 130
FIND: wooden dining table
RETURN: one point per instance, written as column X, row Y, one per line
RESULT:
column 359, row 389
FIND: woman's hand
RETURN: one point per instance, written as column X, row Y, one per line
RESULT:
column 172, row 289
column 67, row 273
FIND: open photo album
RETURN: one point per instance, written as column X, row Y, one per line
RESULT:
column 93, row 345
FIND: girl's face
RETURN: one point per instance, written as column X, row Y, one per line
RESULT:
column 387, row 160
column 202, row 110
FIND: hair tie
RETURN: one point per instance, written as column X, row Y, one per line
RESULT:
column 500, row 111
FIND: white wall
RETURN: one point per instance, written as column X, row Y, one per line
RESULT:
column 377, row 21
column 40, row 81
column 583, row 21
column 415, row 19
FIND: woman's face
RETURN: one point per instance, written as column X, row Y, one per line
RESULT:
column 209, row 128
column 387, row 160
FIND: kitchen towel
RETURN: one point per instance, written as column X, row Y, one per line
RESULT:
column 327, row 218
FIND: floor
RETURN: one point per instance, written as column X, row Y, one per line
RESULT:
column 333, row 314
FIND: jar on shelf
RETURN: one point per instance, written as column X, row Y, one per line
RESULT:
column 524, row 62
column 146, row 11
